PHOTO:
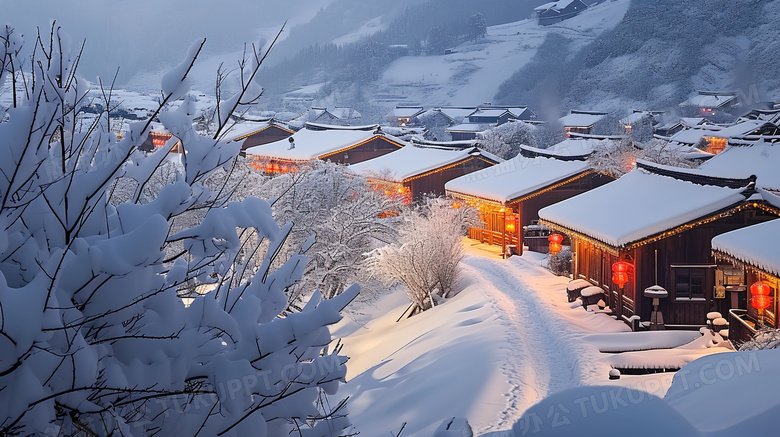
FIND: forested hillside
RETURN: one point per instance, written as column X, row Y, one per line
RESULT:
column 661, row 52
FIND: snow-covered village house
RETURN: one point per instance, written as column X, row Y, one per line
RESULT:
column 656, row 224
column 582, row 122
column 749, row 264
column 510, row 195
column 710, row 104
column 555, row 12
column 257, row 133
column 339, row 144
column 403, row 115
column 414, row 171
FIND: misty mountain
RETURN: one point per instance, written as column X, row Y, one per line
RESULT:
column 661, row 52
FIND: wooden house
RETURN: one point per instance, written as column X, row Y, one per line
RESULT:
column 582, row 122
column 340, row 144
column 414, row 171
column 256, row 133
column 403, row 115
column 745, row 257
column 458, row 114
column 488, row 115
column 710, row 104
column 466, row 131
column 510, row 195
column 659, row 221
column 555, row 12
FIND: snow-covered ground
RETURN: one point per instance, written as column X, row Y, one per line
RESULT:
column 505, row 342
column 474, row 72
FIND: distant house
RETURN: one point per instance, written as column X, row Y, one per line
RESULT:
column 255, row 133
column 713, row 139
column 458, row 114
column 342, row 116
column 582, row 122
column 495, row 116
column 466, row 131
column 639, row 119
column 403, row 115
column 159, row 137
column 710, row 104
column 510, row 195
column 555, row 12
column 414, row 171
column 659, row 222
column 340, row 144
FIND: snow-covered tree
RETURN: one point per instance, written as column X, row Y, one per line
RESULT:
column 426, row 255
column 505, row 140
column 339, row 217
column 94, row 337
column 618, row 157
column 477, row 27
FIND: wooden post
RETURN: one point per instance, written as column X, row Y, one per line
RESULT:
column 503, row 233
column 519, row 229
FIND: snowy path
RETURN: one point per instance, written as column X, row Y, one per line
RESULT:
column 545, row 354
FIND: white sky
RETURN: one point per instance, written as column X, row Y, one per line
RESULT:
column 149, row 35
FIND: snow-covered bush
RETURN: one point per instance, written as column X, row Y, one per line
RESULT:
column 560, row 264
column 425, row 258
column 765, row 338
column 505, row 140
column 94, row 337
column 346, row 219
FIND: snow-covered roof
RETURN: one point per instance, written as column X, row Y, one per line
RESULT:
column 562, row 4
column 740, row 129
column 242, row 129
column 582, row 119
column 634, row 117
column 490, row 112
column 467, row 127
column 709, row 100
column 515, row 178
column 691, row 136
column 576, row 146
column 457, row 113
column 692, row 121
column 411, row 161
column 755, row 245
column 344, row 113
column 312, row 144
column 639, row 205
column 405, row 111
column 761, row 159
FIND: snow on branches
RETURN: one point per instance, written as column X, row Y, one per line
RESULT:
column 95, row 338
column 426, row 255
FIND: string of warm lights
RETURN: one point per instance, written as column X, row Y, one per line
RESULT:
column 347, row 149
column 440, row 169
column 243, row 137
column 762, row 206
column 552, row 187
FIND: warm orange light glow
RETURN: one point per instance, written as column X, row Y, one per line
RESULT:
column 555, row 248
column 555, row 238
column 620, row 278
column 620, row 272
column 761, row 302
column 716, row 145
column 510, row 227
column 760, row 288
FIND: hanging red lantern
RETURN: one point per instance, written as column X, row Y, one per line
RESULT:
column 555, row 238
column 621, row 267
column 555, row 248
column 761, row 302
column 760, row 288
column 620, row 278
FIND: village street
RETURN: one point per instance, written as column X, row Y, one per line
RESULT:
column 506, row 341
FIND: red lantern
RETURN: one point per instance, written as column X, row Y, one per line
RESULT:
column 760, row 288
column 555, row 238
column 621, row 267
column 555, row 248
column 761, row 302
column 620, row 278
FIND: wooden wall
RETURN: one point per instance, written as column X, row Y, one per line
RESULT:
column 376, row 147
column 266, row 136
